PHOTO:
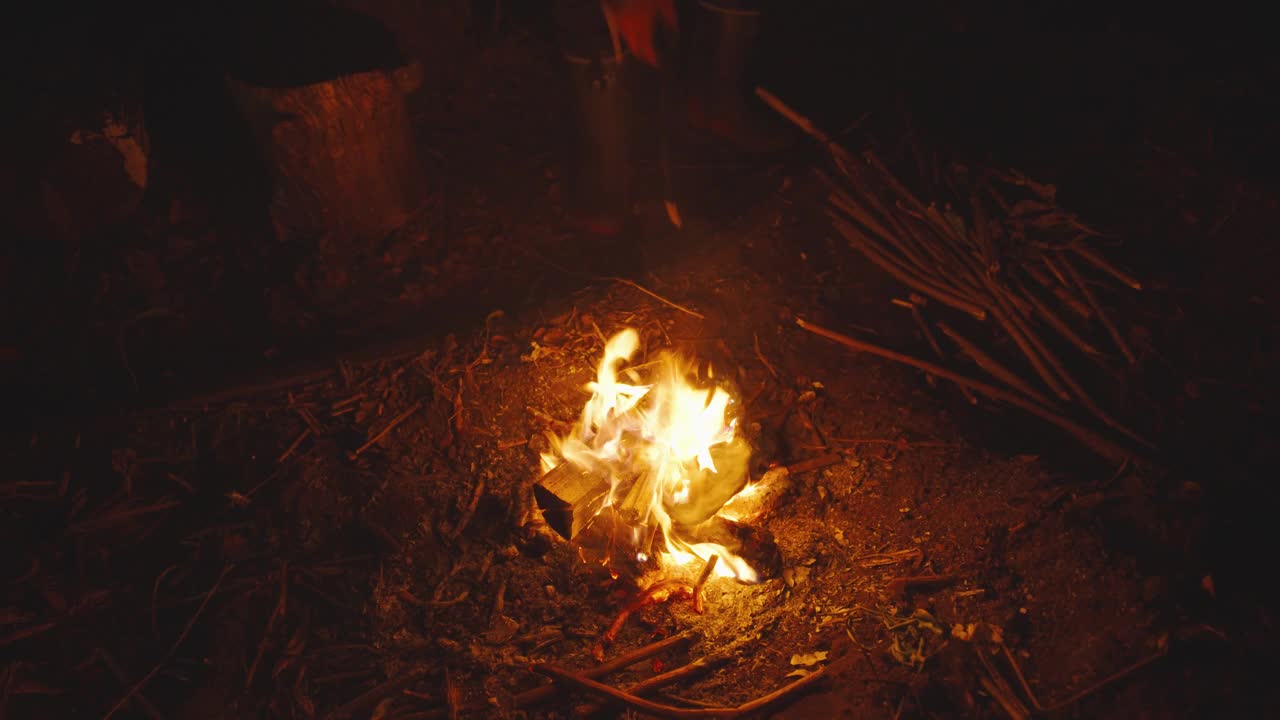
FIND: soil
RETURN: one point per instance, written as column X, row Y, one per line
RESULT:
column 282, row 500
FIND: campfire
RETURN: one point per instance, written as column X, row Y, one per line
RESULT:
column 641, row 479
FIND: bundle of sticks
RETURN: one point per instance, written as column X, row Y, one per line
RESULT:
column 1012, row 257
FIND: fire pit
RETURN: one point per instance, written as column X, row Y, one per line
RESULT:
column 640, row 480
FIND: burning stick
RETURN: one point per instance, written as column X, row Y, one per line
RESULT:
column 1099, row 444
column 702, row 580
column 670, row 711
column 656, row 593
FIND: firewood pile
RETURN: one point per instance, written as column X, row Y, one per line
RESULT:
column 1012, row 263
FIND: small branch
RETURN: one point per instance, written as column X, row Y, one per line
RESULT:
column 1090, row 298
column 868, row 247
column 760, row 357
column 993, row 366
column 656, row 296
column 1057, row 323
column 1104, row 265
column 395, row 422
column 172, row 648
column 371, row 698
column 702, row 580
column 276, row 614
column 661, row 680
column 1097, row 443
column 546, row 692
column 669, row 711
column 470, row 511
column 306, row 432
column 816, row 463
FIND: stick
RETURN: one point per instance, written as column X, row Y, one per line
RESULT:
column 276, row 613
column 803, row 123
column 993, row 366
column 656, row 296
column 137, row 688
column 702, row 580
column 816, row 463
column 1102, row 264
column 1058, row 323
column 118, row 671
column 546, row 692
column 1097, row 308
column 375, row 695
column 859, row 240
column 470, row 511
column 644, row 687
column 294, row 445
column 1030, row 345
column 760, row 357
column 1097, row 443
column 669, row 711
column 383, row 433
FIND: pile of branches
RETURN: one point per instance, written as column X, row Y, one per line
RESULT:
column 1011, row 259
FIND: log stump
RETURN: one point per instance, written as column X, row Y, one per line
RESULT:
column 325, row 98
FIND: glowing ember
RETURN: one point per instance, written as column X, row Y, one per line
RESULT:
column 670, row 452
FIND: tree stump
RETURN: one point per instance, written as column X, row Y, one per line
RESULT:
column 332, row 124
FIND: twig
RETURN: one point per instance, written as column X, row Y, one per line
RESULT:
column 702, row 580
column 173, row 648
column 669, row 677
column 760, row 357
column 119, row 673
column 1099, row 444
column 669, row 711
column 656, row 296
column 816, row 463
column 306, row 432
column 1061, row 705
column 900, row 585
column 470, row 510
column 841, row 155
column 419, row 602
column 276, row 613
column 383, row 433
column 1097, row 308
column 868, row 247
column 375, row 695
column 993, row 366
column 546, row 692
column 1104, row 265
column 658, row 592
column 1058, row 323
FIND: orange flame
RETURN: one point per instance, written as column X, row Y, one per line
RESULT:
column 669, row 448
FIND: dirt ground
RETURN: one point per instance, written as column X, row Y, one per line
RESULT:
column 346, row 532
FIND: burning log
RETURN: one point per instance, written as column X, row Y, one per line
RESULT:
column 570, row 497
column 648, row 466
